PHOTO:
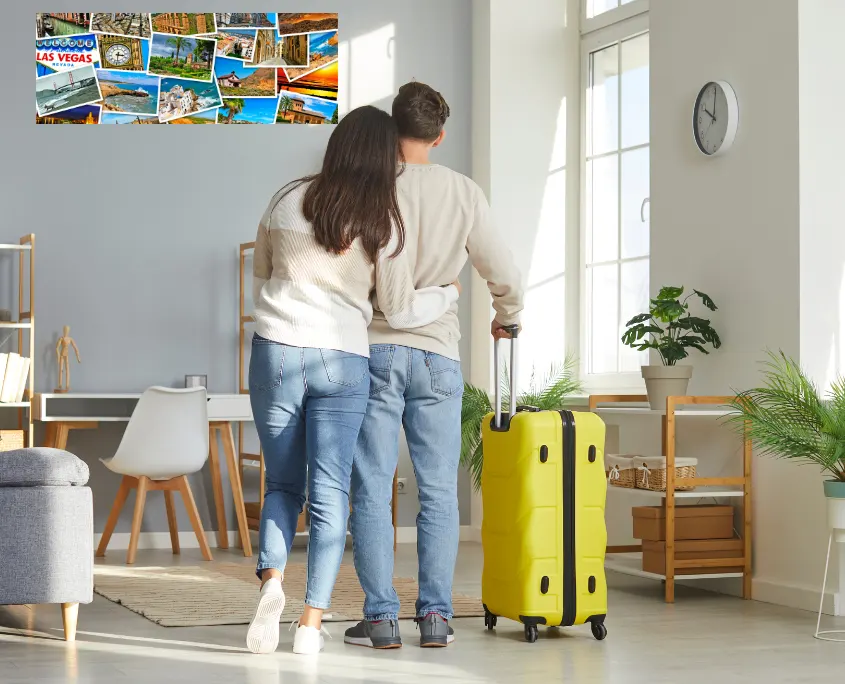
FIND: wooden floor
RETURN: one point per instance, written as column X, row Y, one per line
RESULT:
column 702, row 639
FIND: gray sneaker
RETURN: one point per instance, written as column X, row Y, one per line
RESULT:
column 435, row 631
column 381, row 634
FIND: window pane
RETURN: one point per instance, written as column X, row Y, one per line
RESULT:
column 635, row 190
column 634, row 301
column 595, row 7
column 603, row 282
column 603, row 210
column 543, row 341
column 635, row 113
column 603, row 102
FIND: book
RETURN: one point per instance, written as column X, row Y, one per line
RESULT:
column 4, row 359
column 26, row 363
column 11, row 379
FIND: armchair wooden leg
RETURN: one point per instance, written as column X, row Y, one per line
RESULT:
column 70, row 614
column 117, row 507
column 171, row 521
column 140, row 499
column 194, row 515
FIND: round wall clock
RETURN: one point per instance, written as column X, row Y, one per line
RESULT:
column 715, row 118
column 118, row 54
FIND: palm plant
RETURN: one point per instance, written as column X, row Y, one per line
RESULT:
column 235, row 105
column 177, row 42
column 559, row 383
column 789, row 418
column 285, row 103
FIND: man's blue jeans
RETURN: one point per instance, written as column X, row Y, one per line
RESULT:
column 421, row 391
column 308, row 406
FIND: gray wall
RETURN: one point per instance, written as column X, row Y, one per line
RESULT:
column 137, row 229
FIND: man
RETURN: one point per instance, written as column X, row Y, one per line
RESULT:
column 416, row 382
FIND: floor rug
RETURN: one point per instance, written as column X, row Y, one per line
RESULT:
column 226, row 594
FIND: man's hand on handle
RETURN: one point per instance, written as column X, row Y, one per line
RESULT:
column 503, row 332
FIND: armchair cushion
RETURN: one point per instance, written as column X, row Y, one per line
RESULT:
column 41, row 467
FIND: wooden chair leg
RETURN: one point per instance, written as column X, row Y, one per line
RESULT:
column 194, row 515
column 171, row 521
column 70, row 615
column 117, row 507
column 140, row 500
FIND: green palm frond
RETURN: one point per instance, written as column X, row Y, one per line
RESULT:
column 789, row 418
column 558, row 383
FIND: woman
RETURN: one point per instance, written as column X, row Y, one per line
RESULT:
column 324, row 242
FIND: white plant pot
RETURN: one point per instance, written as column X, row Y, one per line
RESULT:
column 665, row 381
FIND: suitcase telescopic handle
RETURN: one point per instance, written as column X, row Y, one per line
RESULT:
column 497, row 390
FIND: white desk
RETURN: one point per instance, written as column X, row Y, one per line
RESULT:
column 60, row 415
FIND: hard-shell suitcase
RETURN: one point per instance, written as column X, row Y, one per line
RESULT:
column 544, row 536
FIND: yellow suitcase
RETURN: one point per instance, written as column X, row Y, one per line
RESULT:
column 544, row 536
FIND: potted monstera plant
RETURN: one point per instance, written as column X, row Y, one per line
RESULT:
column 670, row 329
column 788, row 417
column 548, row 395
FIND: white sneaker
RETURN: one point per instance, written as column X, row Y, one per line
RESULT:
column 309, row 640
column 263, row 633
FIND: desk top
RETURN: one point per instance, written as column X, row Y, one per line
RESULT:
column 48, row 407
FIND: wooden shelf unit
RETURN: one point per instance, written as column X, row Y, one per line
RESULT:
column 705, row 487
column 24, row 325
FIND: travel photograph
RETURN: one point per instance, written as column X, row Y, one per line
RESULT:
column 182, row 57
column 180, row 97
column 203, row 118
column 52, row 24
column 308, row 22
column 235, row 43
column 249, row 110
column 123, row 52
column 86, row 114
column 245, row 20
column 65, row 90
column 126, row 91
column 237, row 80
column 117, row 118
column 321, row 83
column 274, row 50
column 304, row 109
column 66, row 53
column 323, row 50
column 135, row 24
column 184, row 23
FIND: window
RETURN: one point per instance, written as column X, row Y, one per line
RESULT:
column 615, row 191
column 596, row 7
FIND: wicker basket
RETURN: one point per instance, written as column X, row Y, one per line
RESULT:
column 11, row 440
column 651, row 473
column 621, row 471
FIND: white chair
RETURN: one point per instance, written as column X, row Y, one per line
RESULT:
column 166, row 440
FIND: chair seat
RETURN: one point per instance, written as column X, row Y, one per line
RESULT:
column 41, row 467
column 157, row 474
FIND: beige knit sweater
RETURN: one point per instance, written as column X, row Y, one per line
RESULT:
column 448, row 220
column 305, row 296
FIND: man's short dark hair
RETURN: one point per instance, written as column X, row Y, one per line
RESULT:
column 420, row 112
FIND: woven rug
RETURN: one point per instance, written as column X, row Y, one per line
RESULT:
column 226, row 594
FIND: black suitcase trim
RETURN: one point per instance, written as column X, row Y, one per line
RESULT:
column 569, row 593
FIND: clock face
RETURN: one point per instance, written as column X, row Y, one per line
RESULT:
column 715, row 118
column 118, row 55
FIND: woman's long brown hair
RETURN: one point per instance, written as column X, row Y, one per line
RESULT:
column 354, row 194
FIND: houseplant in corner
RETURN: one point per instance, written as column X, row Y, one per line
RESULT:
column 671, row 330
column 550, row 395
column 789, row 418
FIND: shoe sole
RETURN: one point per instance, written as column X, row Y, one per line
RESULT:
column 263, row 634
column 378, row 645
column 436, row 642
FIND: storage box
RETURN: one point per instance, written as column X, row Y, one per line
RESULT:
column 654, row 555
column 620, row 470
column 651, row 472
column 691, row 522
column 11, row 440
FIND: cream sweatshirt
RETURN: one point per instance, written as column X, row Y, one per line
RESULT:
column 305, row 296
column 448, row 220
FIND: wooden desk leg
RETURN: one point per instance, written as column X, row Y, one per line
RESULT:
column 237, row 489
column 217, row 487
column 62, row 432
column 50, row 436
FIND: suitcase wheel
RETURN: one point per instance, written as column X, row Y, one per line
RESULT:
column 489, row 620
column 531, row 633
column 599, row 630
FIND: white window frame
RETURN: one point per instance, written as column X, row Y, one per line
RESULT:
column 613, row 26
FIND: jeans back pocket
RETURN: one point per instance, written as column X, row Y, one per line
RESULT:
column 343, row 368
column 446, row 378
column 381, row 365
column 266, row 364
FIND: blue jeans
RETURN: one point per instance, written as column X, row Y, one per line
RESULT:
column 421, row 391
column 308, row 406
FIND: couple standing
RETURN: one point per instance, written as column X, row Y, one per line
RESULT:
column 356, row 336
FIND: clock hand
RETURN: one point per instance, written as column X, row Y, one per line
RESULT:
column 715, row 95
column 709, row 114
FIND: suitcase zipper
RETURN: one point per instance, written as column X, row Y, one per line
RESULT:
column 569, row 593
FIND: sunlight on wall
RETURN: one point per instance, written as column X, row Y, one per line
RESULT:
column 835, row 364
column 371, row 64
column 558, row 160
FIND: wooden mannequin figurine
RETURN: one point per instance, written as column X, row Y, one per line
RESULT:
column 62, row 353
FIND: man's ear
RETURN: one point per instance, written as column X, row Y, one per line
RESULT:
column 440, row 139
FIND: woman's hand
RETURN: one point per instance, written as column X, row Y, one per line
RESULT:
column 457, row 284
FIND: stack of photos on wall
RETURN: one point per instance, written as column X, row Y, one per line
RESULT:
column 238, row 68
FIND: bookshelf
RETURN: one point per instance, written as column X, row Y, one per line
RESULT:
column 24, row 328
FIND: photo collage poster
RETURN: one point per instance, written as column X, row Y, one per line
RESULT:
column 186, row 68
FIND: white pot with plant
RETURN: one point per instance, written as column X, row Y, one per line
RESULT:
column 671, row 330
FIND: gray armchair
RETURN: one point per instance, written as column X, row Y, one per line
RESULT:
column 46, row 531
